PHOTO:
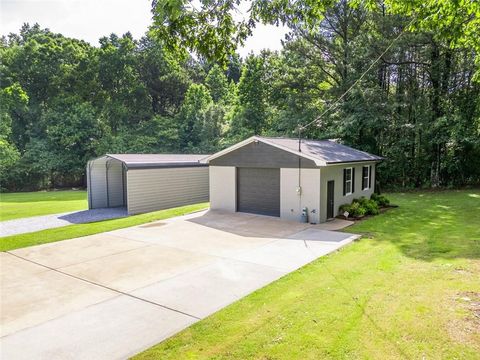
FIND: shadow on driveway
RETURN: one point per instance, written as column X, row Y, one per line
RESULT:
column 38, row 223
column 86, row 216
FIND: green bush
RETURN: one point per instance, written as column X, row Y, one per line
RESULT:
column 381, row 200
column 343, row 208
column 362, row 201
column 360, row 207
column 358, row 210
column 371, row 207
column 354, row 209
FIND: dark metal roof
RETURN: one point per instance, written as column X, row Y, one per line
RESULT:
column 328, row 151
column 158, row 160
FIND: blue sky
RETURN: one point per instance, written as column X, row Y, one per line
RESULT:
column 91, row 19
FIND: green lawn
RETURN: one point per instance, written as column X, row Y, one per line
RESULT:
column 73, row 231
column 409, row 289
column 27, row 204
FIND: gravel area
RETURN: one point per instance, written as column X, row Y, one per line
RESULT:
column 37, row 223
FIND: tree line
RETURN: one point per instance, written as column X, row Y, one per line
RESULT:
column 64, row 101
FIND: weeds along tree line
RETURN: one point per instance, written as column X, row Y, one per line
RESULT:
column 64, row 101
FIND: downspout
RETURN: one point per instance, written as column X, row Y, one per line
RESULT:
column 299, row 158
column 299, row 187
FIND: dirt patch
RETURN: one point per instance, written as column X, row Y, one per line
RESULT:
column 472, row 303
column 462, row 271
column 467, row 330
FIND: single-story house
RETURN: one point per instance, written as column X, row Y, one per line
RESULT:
column 146, row 182
column 282, row 176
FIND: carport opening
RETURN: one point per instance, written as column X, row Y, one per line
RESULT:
column 107, row 183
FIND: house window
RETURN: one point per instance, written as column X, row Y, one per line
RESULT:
column 347, row 183
column 366, row 178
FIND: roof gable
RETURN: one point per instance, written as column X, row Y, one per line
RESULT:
column 262, row 155
column 321, row 152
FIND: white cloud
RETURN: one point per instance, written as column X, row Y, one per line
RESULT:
column 91, row 19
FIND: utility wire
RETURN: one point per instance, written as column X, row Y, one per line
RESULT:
column 318, row 118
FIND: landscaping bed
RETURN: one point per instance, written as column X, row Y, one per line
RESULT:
column 362, row 207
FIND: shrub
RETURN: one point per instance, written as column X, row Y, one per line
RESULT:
column 358, row 210
column 343, row 208
column 360, row 207
column 354, row 209
column 381, row 200
column 362, row 201
column 371, row 207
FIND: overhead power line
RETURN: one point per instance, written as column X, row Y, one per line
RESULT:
column 318, row 118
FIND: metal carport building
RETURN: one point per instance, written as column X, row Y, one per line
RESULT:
column 146, row 182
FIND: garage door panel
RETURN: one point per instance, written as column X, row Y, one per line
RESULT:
column 258, row 191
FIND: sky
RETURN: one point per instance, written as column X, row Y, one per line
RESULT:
column 89, row 20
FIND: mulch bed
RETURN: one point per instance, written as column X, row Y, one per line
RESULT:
column 382, row 210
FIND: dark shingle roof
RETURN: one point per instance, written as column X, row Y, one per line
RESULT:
column 158, row 160
column 327, row 151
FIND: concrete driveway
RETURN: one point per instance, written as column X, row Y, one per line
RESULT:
column 114, row 294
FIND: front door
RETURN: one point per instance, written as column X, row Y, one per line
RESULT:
column 330, row 198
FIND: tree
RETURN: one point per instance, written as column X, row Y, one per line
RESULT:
column 165, row 78
column 217, row 84
column 234, row 68
column 64, row 101
column 191, row 118
column 124, row 98
column 13, row 100
column 252, row 113
column 210, row 28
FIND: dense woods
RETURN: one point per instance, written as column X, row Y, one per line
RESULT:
column 64, row 101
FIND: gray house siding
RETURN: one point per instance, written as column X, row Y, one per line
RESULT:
column 157, row 189
column 261, row 155
column 335, row 173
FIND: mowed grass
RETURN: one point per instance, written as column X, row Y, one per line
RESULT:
column 409, row 289
column 28, row 204
column 78, row 230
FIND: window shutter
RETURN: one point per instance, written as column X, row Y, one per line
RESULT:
column 353, row 180
column 344, row 181
column 370, row 177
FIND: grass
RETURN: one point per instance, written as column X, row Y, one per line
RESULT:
column 73, row 231
column 409, row 289
column 27, row 204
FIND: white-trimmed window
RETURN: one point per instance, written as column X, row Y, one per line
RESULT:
column 366, row 177
column 347, row 181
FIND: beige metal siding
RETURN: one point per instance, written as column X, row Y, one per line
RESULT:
column 115, row 183
column 97, row 184
column 336, row 173
column 157, row 189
